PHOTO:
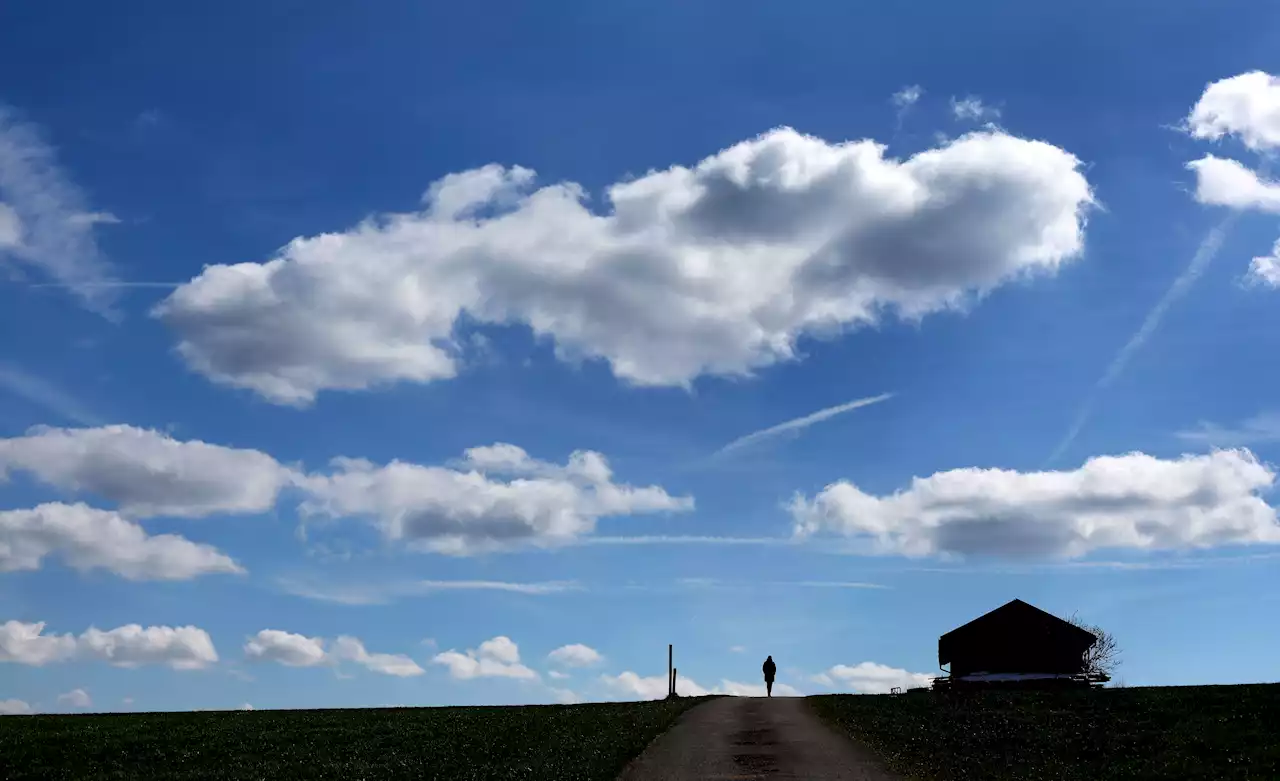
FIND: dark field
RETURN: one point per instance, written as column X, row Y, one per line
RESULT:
column 1187, row 732
column 552, row 742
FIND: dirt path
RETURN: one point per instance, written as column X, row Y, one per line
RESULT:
column 753, row 737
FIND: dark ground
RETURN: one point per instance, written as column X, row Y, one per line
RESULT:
column 1185, row 732
column 538, row 742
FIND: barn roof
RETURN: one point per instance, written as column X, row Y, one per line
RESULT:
column 1021, row 615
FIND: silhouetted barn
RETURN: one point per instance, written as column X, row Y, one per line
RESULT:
column 1016, row 644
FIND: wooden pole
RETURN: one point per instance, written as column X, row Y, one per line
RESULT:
column 671, row 676
column 674, row 674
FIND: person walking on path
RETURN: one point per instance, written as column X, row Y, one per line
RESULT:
column 770, row 669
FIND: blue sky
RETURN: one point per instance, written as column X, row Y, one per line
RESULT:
column 451, row 247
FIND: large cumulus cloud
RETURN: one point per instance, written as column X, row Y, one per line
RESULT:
column 717, row 269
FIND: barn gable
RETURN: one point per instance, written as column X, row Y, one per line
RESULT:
column 1015, row 638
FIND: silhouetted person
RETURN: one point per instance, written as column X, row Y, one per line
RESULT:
column 770, row 669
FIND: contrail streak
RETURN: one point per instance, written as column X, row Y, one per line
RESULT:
column 1205, row 254
column 799, row 423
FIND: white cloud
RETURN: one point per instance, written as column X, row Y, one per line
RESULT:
column 907, row 97
column 76, row 698
column 1265, row 269
column 1264, row 427
column 182, row 648
column 495, row 497
column 716, row 269
column 1246, row 106
column 871, row 678
column 972, row 109
column 14, row 708
column 245, row 706
column 737, row 689
column 292, row 650
column 654, row 687
column 471, row 508
column 44, row 220
column 1223, row 182
column 496, row 658
column 86, row 539
column 737, row 649
column 27, row 644
column 147, row 472
column 565, row 696
column 575, row 655
column 1130, row 501
column 350, row 649
column 557, row 675
column 799, row 424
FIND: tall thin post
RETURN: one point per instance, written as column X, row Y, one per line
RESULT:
column 674, row 674
column 671, row 680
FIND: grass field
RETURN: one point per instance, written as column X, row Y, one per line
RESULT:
column 1186, row 732
column 537, row 742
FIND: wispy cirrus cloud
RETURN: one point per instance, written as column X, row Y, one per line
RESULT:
column 382, row 593
column 48, row 396
column 1264, row 427
column 678, row 539
column 46, row 224
column 796, row 425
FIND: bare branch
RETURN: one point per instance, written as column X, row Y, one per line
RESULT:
column 1103, row 657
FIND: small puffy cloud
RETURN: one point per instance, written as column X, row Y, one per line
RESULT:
column 1264, row 270
column 146, row 472
column 76, row 698
column 85, row 539
column 566, row 696
column 972, row 109
column 907, row 96
column 496, row 499
column 496, row 658
column 1223, row 182
column 557, row 675
column 737, row 649
column 575, row 655
column 1132, row 501
column 756, row 689
column 182, row 648
column 15, row 708
column 350, row 649
column 45, row 223
column 718, row 269
column 245, row 706
column 653, row 687
column 871, row 678
column 28, row 644
column 292, row 650
column 1246, row 106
